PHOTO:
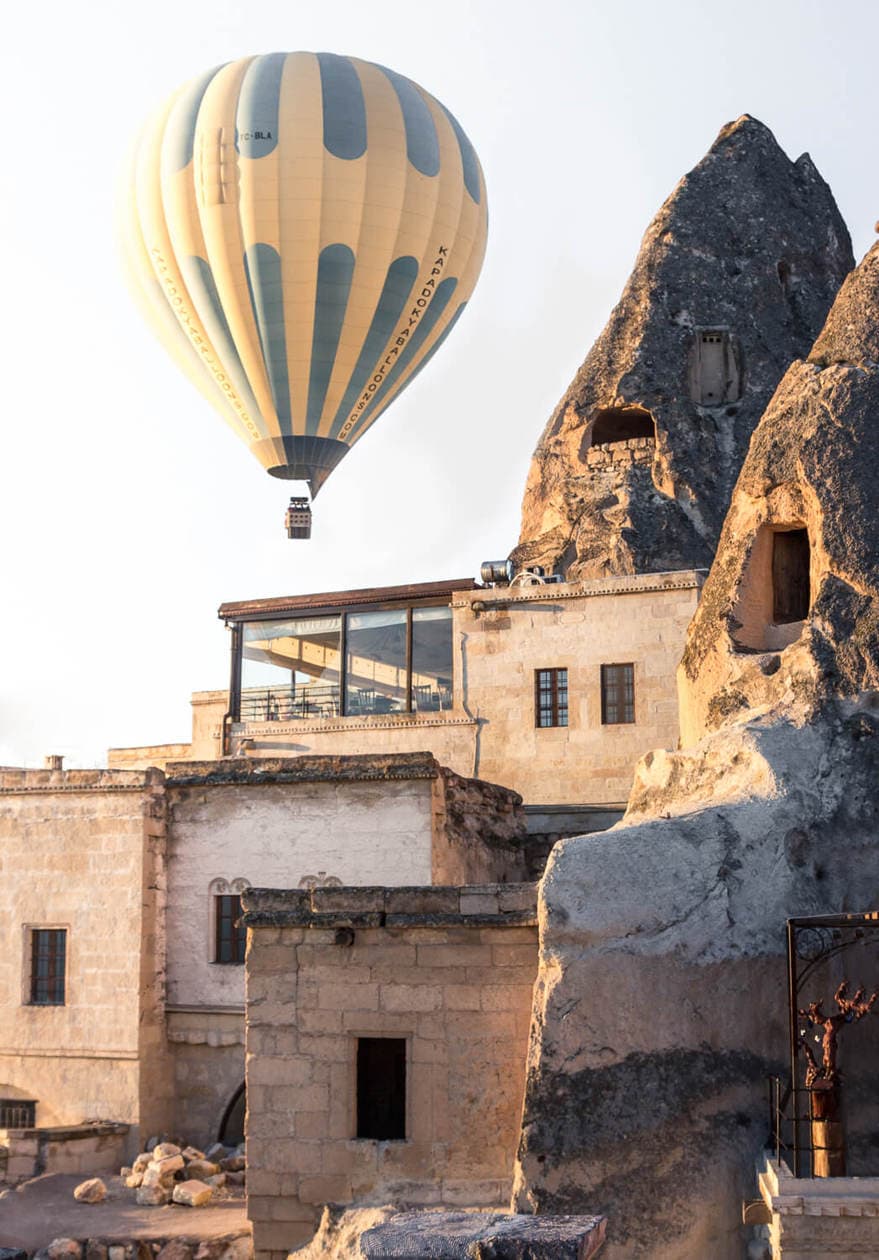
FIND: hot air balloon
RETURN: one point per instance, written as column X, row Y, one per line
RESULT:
column 303, row 232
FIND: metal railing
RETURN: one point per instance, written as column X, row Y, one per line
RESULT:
column 294, row 704
column 17, row 1113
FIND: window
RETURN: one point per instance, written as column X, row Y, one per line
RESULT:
column 790, row 576
column 617, row 694
column 381, row 1088
column 17, row 1113
column 619, row 424
column 391, row 660
column 48, row 963
column 551, row 697
column 231, row 934
column 431, row 659
column 290, row 669
column 375, row 666
column 715, row 368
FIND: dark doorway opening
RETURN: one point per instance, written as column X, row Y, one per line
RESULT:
column 232, row 1125
column 381, row 1088
column 790, row 576
column 618, row 424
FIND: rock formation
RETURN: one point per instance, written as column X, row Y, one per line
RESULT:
column 661, row 1001
column 735, row 276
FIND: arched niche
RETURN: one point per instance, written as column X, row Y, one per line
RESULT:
column 231, row 1130
column 715, row 368
column 621, row 424
column 774, row 594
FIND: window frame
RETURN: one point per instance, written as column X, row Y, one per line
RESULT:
column 33, row 980
column 559, row 712
column 406, row 1040
column 623, row 702
column 343, row 612
column 238, row 933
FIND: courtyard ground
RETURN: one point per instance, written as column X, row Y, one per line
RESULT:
column 37, row 1211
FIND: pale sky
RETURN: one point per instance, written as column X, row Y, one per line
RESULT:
column 129, row 511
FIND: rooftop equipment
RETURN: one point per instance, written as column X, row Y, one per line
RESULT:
column 496, row 572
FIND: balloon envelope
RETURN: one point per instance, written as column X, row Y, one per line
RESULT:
column 304, row 232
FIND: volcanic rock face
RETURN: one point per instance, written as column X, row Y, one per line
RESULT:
column 799, row 555
column 735, row 276
column 661, row 1000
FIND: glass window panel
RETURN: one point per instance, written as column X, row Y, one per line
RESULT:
column 431, row 659
column 48, row 950
column 290, row 669
column 375, row 664
column 617, row 694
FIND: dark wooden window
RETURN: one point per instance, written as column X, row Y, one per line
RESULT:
column 617, row 694
column 381, row 1088
column 790, row 576
column 48, row 955
column 231, row 934
column 551, row 697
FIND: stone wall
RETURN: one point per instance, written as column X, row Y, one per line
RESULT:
column 86, row 1148
column 83, row 850
column 357, row 820
column 448, row 969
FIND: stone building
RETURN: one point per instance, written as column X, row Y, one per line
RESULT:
column 123, row 996
column 553, row 690
column 386, row 1039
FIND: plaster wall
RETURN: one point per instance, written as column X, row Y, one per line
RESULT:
column 82, row 850
column 276, row 835
column 458, row 992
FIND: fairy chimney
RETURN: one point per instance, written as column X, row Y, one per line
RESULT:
column 735, row 276
column 790, row 611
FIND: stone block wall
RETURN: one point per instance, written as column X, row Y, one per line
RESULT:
column 82, row 850
column 450, row 970
column 616, row 454
column 393, row 819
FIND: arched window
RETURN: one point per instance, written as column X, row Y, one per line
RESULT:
column 227, row 934
column 620, row 424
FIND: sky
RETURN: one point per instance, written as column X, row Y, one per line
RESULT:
column 129, row 511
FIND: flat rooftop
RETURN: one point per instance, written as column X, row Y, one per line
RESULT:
column 330, row 601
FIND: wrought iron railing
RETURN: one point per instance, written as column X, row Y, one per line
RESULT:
column 800, row 1130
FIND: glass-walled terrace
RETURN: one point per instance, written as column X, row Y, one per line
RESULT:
column 352, row 664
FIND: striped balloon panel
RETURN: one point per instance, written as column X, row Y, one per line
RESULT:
column 313, row 225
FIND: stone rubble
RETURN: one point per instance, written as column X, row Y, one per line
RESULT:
column 167, row 1172
column 229, row 1247
column 91, row 1191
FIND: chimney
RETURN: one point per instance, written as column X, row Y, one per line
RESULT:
column 54, row 761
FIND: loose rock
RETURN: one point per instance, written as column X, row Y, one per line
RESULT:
column 192, row 1193
column 153, row 1194
column 64, row 1249
column 200, row 1169
column 91, row 1191
column 176, row 1249
column 165, row 1150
